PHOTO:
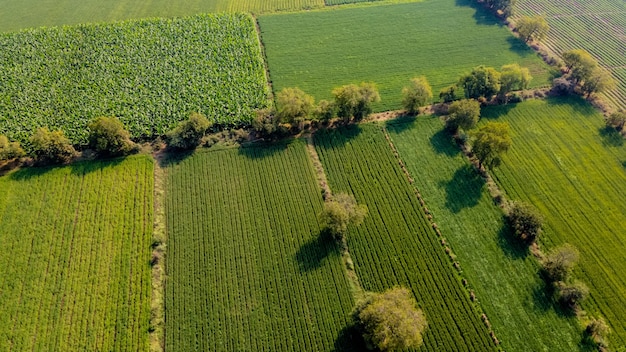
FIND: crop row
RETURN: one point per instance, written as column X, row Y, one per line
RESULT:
column 149, row 73
column 565, row 163
column 396, row 245
column 75, row 275
column 246, row 267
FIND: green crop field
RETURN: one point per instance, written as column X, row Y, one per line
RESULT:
column 247, row 270
column 20, row 14
column 75, row 273
column 388, row 44
column 149, row 73
column 597, row 26
column 565, row 163
column 501, row 272
column 396, row 245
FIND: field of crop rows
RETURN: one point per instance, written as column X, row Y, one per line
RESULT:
column 388, row 45
column 74, row 273
column 149, row 73
column 565, row 163
column 396, row 245
column 597, row 26
column 503, row 275
column 246, row 268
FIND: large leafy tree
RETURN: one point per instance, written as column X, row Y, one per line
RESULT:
column 482, row 82
column 51, row 147
column 189, row 133
column 579, row 63
column 463, row 114
column 533, row 28
column 490, row 141
column 340, row 211
column 293, row 105
column 417, row 94
column 513, row 77
column 108, row 136
column 355, row 102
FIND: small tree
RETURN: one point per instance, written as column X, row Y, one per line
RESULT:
column 355, row 102
column 340, row 211
column 513, row 77
column 579, row 63
column 598, row 331
column 526, row 221
column 598, row 81
column 571, row 294
column 617, row 120
column 533, row 28
column 294, row 105
column 10, row 150
column 490, row 141
column 448, row 94
column 108, row 136
column 463, row 114
column 325, row 110
column 189, row 133
column 51, row 147
column 390, row 320
column 482, row 82
column 558, row 265
column 417, row 94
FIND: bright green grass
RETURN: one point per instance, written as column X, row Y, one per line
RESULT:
column 396, row 245
column 388, row 44
column 151, row 74
column 503, row 275
column 19, row 14
column 247, row 270
column 565, row 163
column 74, row 270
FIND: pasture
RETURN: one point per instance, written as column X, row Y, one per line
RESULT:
column 388, row 45
column 501, row 272
column 572, row 169
column 596, row 26
column 396, row 244
column 75, row 273
column 151, row 74
column 247, row 268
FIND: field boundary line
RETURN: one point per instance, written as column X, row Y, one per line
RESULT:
column 159, row 236
column 266, row 68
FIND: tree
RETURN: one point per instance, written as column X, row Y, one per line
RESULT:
column 463, row 114
column 503, row 8
column 189, row 133
column 340, row 211
column 294, row 105
column 390, row 320
column 51, row 147
column 513, row 77
column 354, row 102
column 490, row 141
column 533, row 28
column 558, row 265
column 108, row 136
column 617, row 120
column 525, row 220
column 597, row 331
column 571, row 294
column 417, row 94
column 448, row 94
column 10, row 150
column 598, row 81
column 482, row 82
column 325, row 110
column 579, row 63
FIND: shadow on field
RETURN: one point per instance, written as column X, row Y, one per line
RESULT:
column 542, row 296
column 311, row 255
column 511, row 246
column 443, row 143
column 349, row 340
column 481, row 15
column 400, row 124
column 171, row 158
column 260, row 150
column 610, row 137
column 336, row 138
column 519, row 47
column 464, row 189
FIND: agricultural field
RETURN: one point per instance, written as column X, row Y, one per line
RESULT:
column 501, row 272
column 247, row 269
column 75, row 273
column 21, row 14
column 596, row 26
column 149, row 73
column 388, row 45
column 396, row 244
column 572, row 169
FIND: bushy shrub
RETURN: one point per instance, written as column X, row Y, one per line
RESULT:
column 10, row 150
column 293, row 106
column 558, row 264
column 525, row 221
column 617, row 120
column 597, row 331
column 188, row 134
column 571, row 294
column 107, row 136
column 449, row 94
column 340, row 211
column 355, row 102
column 51, row 147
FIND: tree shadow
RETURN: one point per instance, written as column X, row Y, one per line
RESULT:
column 511, row 246
column 86, row 167
column 443, row 143
column 349, row 339
column 519, row 47
column 336, row 137
column 401, row 123
column 493, row 112
column 172, row 158
column 464, row 189
column 482, row 16
column 260, row 150
column 312, row 254
column 610, row 137
column 543, row 296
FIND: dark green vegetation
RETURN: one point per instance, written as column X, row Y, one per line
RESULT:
column 566, row 163
column 388, row 45
column 499, row 269
column 151, row 74
column 396, row 245
column 74, row 270
column 247, row 268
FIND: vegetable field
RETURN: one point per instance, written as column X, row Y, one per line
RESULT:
column 597, row 26
column 501, row 272
column 396, row 245
column 247, row 270
column 149, row 73
column 388, row 45
column 74, row 270
column 565, row 163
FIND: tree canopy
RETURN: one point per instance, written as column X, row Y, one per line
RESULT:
column 355, row 102
column 513, row 77
column 558, row 264
column 9, row 150
column 51, row 147
column 533, row 28
column 189, row 133
column 340, row 211
column 482, row 82
column 417, row 94
column 108, row 136
column 598, row 81
column 579, row 63
column 293, row 105
column 490, row 141
column 525, row 221
column 463, row 114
